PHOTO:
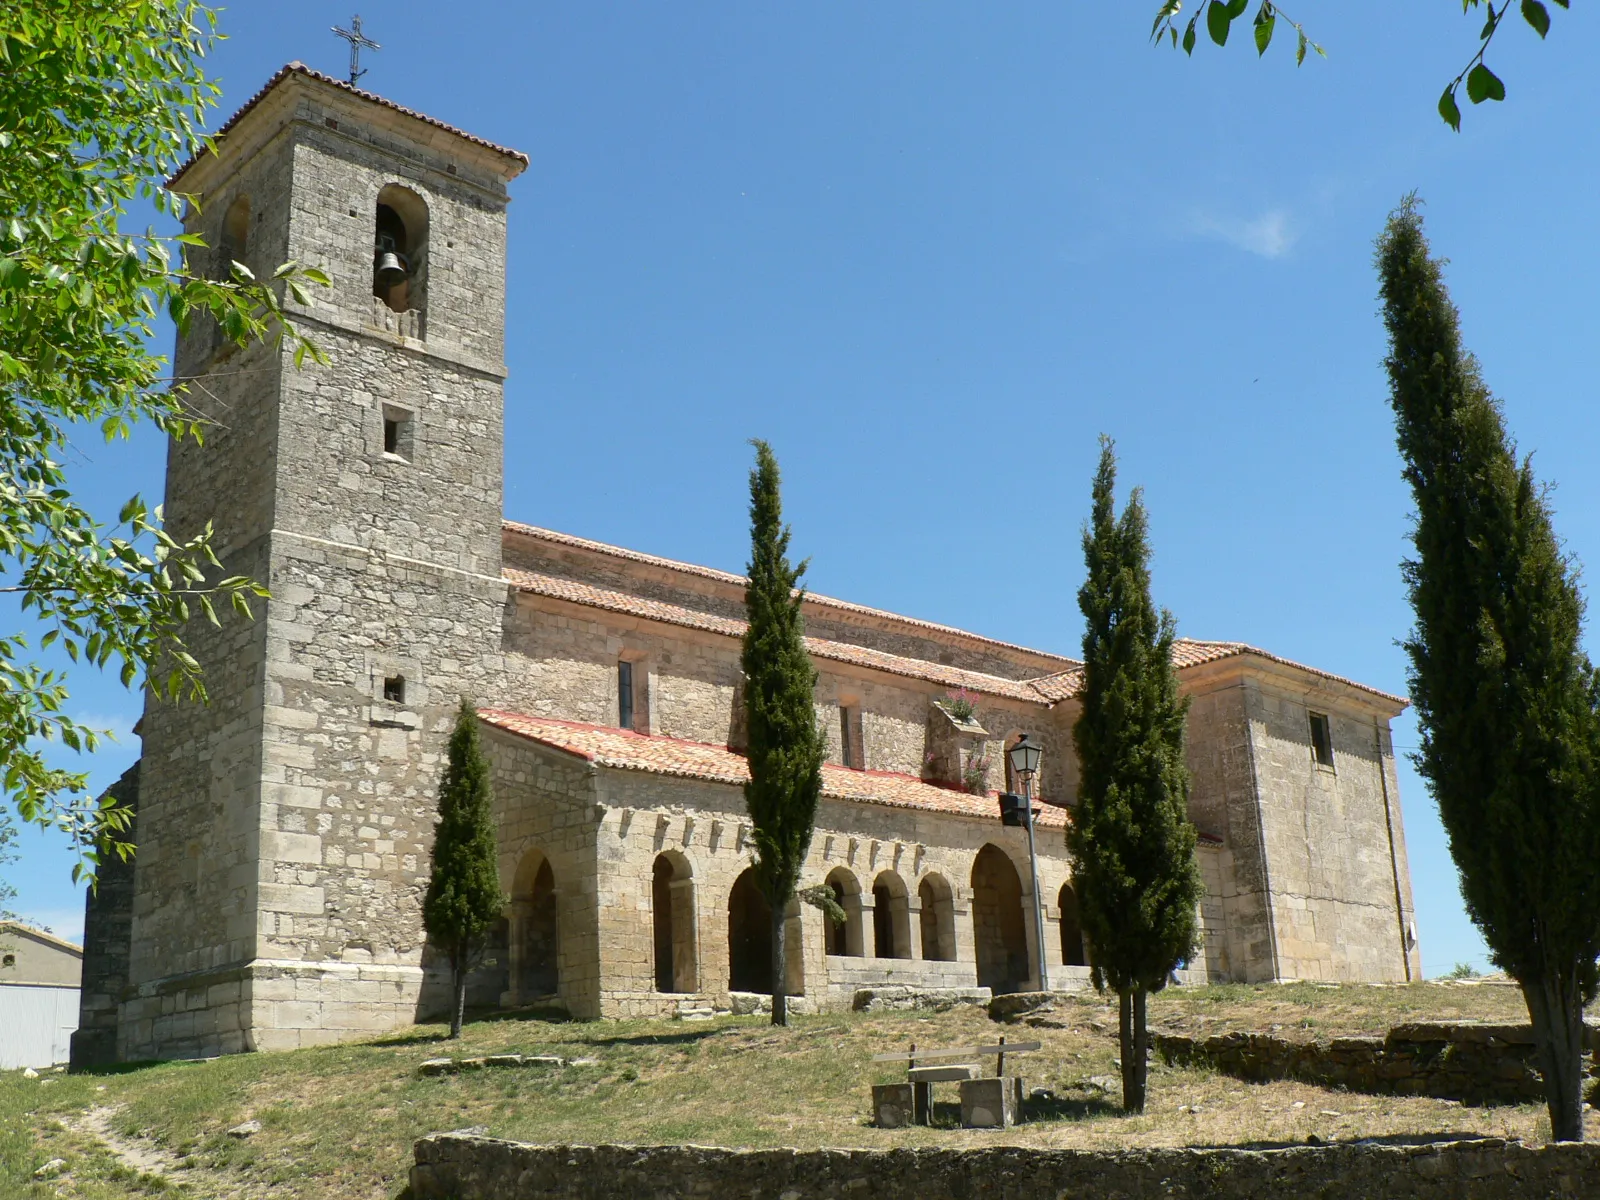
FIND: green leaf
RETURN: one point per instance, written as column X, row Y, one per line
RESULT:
column 1537, row 15
column 1483, row 84
column 1300, row 47
column 1236, row 8
column 1188, row 35
column 1449, row 109
column 1217, row 22
column 1264, row 30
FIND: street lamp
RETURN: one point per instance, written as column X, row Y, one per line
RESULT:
column 1024, row 758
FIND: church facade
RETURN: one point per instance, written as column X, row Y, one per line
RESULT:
column 283, row 829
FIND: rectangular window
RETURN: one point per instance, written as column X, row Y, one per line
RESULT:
column 625, row 694
column 850, row 737
column 394, row 689
column 1321, row 740
column 398, row 428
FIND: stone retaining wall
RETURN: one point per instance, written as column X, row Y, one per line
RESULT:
column 465, row 1167
column 1474, row 1063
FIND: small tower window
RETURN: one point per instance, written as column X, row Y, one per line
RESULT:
column 9, row 961
column 400, row 254
column 1321, row 740
column 235, row 242
column 394, row 689
column 850, row 748
column 625, row 694
column 398, row 426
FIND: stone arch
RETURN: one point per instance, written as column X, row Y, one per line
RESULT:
column 673, row 915
column 400, row 221
column 891, row 917
column 750, row 941
column 846, row 939
column 937, row 900
column 234, row 245
column 999, row 932
column 535, row 930
column 1073, row 953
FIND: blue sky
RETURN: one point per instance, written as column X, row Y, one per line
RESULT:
column 931, row 251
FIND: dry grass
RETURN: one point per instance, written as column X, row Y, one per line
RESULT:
column 339, row 1122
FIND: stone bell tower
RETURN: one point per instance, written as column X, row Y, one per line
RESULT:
column 284, row 828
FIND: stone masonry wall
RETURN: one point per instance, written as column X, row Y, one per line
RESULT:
column 562, row 660
column 288, row 825
column 704, row 827
column 546, row 813
column 108, row 917
column 384, row 566
column 1333, row 841
column 1223, row 802
column 454, row 1166
column 725, row 598
column 194, row 887
column 1474, row 1063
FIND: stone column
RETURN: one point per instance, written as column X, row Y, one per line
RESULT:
column 685, row 937
column 914, row 927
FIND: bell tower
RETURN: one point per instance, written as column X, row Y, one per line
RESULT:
column 284, row 829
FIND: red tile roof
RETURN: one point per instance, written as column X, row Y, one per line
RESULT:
column 299, row 68
column 567, row 539
column 1189, row 653
column 1047, row 689
column 538, row 584
column 627, row 751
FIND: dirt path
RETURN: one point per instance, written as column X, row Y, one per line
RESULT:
column 135, row 1153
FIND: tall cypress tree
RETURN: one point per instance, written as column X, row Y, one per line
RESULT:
column 1139, row 885
column 464, row 898
column 1506, row 699
column 786, row 747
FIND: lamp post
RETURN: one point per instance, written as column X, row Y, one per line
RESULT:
column 1024, row 766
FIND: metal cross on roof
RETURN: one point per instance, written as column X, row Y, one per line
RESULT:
column 357, row 39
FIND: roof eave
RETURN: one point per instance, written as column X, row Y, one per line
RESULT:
column 189, row 178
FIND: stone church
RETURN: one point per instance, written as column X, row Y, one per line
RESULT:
column 283, row 830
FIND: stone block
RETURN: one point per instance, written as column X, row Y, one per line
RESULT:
column 892, row 1105
column 278, row 846
column 989, row 1103
column 952, row 1074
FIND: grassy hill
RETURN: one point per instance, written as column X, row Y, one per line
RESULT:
column 339, row 1122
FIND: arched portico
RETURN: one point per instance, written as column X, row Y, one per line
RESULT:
column 534, row 933
column 999, row 928
column 676, row 941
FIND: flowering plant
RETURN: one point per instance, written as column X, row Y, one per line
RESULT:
column 960, row 705
column 975, row 772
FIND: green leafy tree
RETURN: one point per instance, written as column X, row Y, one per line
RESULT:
column 8, row 854
column 1133, row 846
column 100, row 100
column 786, row 747
column 1219, row 15
column 1506, row 699
column 464, row 898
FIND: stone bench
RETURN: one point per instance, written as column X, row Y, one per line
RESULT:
column 994, row 1103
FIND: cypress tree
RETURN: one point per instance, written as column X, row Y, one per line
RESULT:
column 785, row 745
column 464, row 898
column 1506, row 699
column 1138, row 882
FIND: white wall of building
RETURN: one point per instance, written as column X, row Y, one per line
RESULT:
column 36, row 1024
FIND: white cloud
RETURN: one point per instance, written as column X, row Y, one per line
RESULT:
column 119, row 725
column 1271, row 235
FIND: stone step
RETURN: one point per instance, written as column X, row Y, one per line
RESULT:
column 694, row 1008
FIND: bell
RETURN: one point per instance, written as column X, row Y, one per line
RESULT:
column 391, row 269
